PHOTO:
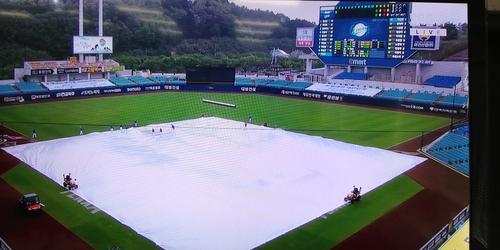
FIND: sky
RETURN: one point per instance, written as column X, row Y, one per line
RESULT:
column 423, row 13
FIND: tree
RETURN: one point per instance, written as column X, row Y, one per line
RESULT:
column 212, row 18
column 180, row 12
column 464, row 27
column 451, row 31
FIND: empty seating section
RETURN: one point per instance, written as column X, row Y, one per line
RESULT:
column 351, row 75
column 299, row 85
column 244, row 82
column 344, row 89
column 424, row 97
column 394, row 94
column 453, row 150
column 463, row 131
column 141, row 80
column 272, row 83
column 277, row 83
column 7, row 89
column 457, row 100
column 122, row 81
column 78, row 84
column 251, row 82
column 443, row 81
column 158, row 79
column 167, row 80
column 29, row 87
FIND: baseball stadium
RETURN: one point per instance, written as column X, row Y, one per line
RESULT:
column 349, row 132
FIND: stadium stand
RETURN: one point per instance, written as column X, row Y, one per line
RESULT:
column 452, row 149
column 344, row 89
column 413, row 88
column 424, row 97
column 299, row 85
column 158, row 79
column 121, row 81
column 29, row 87
column 443, row 81
column 260, row 82
column 8, row 89
column 272, row 83
column 141, row 80
column 167, row 79
column 277, row 83
column 80, row 84
column 244, row 82
column 393, row 94
column 463, row 131
column 351, row 75
column 457, row 100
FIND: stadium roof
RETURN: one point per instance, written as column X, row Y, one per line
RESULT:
column 279, row 53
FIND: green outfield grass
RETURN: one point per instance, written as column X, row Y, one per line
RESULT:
column 326, row 233
column 364, row 126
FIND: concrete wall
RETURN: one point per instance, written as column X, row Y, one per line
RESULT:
column 445, row 68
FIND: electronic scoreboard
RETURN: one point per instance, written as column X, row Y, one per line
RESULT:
column 364, row 34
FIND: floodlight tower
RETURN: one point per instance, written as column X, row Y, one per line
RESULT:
column 80, row 25
column 100, row 24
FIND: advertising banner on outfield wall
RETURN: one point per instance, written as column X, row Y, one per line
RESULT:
column 92, row 44
column 305, row 94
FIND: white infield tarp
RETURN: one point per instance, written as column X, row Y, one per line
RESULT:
column 211, row 183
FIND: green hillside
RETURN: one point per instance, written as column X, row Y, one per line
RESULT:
column 155, row 30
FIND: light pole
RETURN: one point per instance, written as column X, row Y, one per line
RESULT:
column 453, row 106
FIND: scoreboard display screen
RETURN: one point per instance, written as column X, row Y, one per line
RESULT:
column 364, row 34
column 210, row 75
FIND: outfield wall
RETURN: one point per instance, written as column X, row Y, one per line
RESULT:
column 305, row 94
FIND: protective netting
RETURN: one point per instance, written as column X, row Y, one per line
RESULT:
column 221, row 187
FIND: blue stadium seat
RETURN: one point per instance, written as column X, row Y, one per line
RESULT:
column 393, row 94
column 30, row 87
column 158, row 79
column 243, row 82
column 424, row 97
column 463, row 131
column 121, row 81
column 8, row 90
column 452, row 149
column 272, row 83
column 141, row 80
